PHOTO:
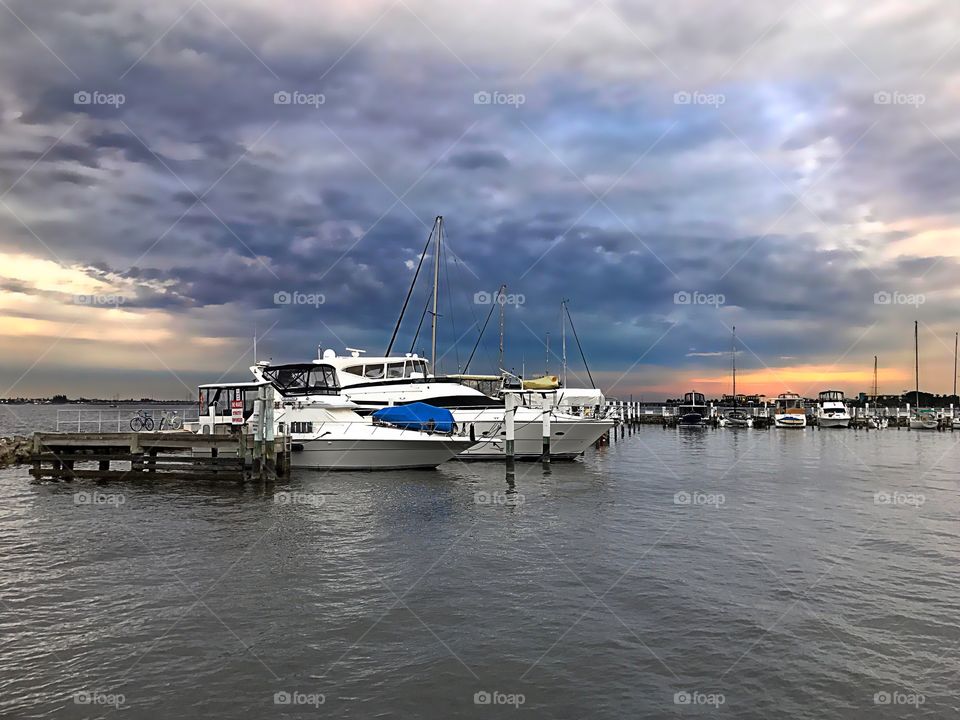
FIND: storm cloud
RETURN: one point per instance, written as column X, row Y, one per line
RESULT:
column 672, row 171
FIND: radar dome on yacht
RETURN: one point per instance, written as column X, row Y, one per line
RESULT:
column 329, row 354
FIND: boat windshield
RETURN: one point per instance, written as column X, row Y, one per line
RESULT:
column 831, row 396
column 306, row 379
column 221, row 398
column 694, row 398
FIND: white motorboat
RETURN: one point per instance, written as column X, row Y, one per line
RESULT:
column 326, row 431
column 789, row 412
column 373, row 383
column 832, row 411
column 737, row 419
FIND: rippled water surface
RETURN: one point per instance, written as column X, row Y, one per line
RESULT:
column 781, row 573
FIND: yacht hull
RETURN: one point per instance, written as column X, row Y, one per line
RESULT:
column 790, row 421
column 375, row 454
column 834, row 422
column 569, row 436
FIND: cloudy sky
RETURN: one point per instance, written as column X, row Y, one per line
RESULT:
column 171, row 173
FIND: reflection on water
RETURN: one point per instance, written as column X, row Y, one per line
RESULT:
column 825, row 577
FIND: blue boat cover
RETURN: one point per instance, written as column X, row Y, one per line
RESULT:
column 417, row 416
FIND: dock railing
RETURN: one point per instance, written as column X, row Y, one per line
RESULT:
column 96, row 420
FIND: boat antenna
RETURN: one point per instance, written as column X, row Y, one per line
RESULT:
column 563, row 339
column 413, row 284
column 436, row 282
column 255, row 345
column 916, row 358
column 546, row 370
column 502, row 302
column 580, row 347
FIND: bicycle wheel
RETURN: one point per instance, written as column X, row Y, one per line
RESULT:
column 148, row 423
column 176, row 422
column 136, row 423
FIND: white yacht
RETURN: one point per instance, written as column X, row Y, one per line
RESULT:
column 788, row 411
column 378, row 382
column 832, row 411
column 326, row 431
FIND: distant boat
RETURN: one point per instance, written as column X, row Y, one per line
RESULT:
column 694, row 410
column 924, row 420
column 736, row 418
column 921, row 419
column 833, row 411
column 788, row 411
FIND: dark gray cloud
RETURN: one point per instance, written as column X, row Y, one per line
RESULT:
column 754, row 163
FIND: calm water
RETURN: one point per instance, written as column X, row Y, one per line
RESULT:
column 758, row 572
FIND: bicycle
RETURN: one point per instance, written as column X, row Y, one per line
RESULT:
column 141, row 421
column 172, row 420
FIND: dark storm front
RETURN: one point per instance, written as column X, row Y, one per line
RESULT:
column 674, row 572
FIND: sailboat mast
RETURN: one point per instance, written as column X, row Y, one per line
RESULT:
column 916, row 358
column 956, row 345
column 734, row 354
column 563, row 339
column 876, row 383
column 501, row 301
column 436, row 283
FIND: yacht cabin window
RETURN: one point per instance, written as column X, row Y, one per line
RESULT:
column 394, row 371
column 373, row 372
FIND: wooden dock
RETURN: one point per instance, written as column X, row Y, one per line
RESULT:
column 158, row 455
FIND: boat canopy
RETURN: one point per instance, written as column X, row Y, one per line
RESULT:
column 417, row 416
column 580, row 397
